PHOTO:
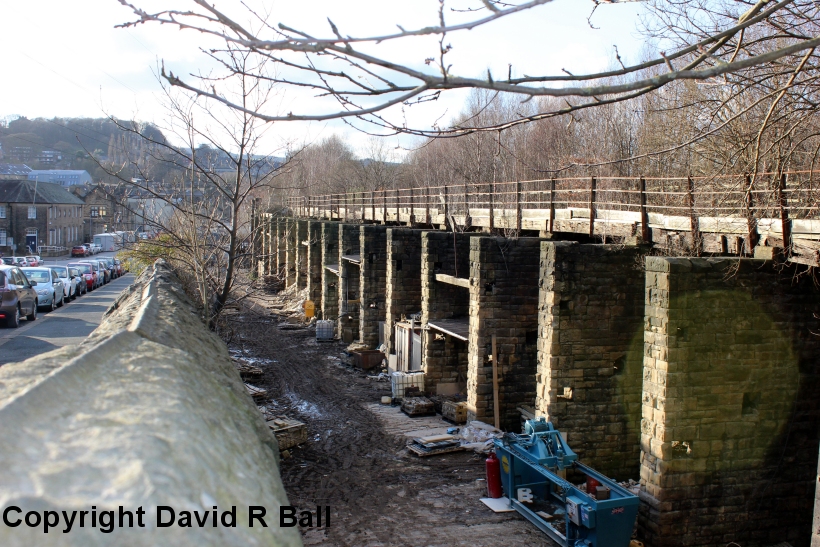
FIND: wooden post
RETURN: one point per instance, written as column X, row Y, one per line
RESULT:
column 398, row 206
column 372, row 207
column 427, row 205
column 496, row 410
column 518, row 206
column 592, row 185
column 751, row 241
column 644, row 214
column 552, row 206
column 331, row 206
column 412, row 207
column 785, row 222
column 446, row 209
column 467, row 219
column 384, row 206
column 492, row 206
column 694, row 223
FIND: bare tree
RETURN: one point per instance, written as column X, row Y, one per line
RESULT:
column 729, row 37
column 220, row 168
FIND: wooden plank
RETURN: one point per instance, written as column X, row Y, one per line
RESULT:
column 457, row 328
column 452, row 280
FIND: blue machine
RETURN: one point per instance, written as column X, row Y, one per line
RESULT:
column 532, row 466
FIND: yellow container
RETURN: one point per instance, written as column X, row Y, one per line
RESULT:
column 310, row 308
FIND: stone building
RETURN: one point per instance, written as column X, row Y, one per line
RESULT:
column 37, row 214
column 107, row 209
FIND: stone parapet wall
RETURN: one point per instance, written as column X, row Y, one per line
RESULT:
column 330, row 281
column 148, row 411
column 729, row 433
column 403, row 284
column 372, row 283
column 590, row 351
column 503, row 293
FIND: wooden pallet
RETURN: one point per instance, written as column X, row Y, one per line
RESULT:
column 430, row 449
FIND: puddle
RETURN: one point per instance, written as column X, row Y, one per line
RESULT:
column 304, row 407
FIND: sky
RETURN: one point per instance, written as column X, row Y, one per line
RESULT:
column 67, row 59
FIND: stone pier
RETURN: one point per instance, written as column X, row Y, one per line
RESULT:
column 729, row 433
column 280, row 243
column 301, row 235
column 291, row 244
column 445, row 305
column 372, row 283
column 314, row 262
column 349, row 278
column 330, row 271
column 503, row 289
column 403, row 288
column 590, row 353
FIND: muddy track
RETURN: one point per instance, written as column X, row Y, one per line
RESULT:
column 379, row 494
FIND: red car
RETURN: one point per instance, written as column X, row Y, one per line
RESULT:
column 88, row 272
column 79, row 250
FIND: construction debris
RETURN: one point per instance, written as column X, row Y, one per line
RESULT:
column 288, row 432
column 247, row 370
column 434, row 444
column 257, row 393
column 418, row 406
column 454, row 412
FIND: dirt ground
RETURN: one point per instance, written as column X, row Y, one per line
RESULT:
column 355, row 460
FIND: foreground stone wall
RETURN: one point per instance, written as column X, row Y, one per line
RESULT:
column 815, row 535
column 729, row 433
column 372, row 283
column 591, row 343
column 148, row 411
column 403, row 283
column 503, row 302
column 443, row 359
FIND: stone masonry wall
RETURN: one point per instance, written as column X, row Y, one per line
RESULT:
column 301, row 253
column 403, row 286
column 291, row 245
column 729, row 433
column 503, row 302
column 445, row 253
column 590, row 340
column 330, row 281
column 372, row 283
column 314, row 262
column 148, row 411
column 348, row 325
column 815, row 534
column 281, row 247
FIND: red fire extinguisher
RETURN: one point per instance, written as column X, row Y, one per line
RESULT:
column 493, row 476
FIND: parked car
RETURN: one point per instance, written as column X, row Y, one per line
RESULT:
column 79, row 250
column 19, row 261
column 50, row 290
column 109, row 264
column 95, row 248
column 104, row 271
column 88, row 272
column 120, row 267
column 34, row 260
column 7, row 260
column 70, row 282
column 18, row 296
column 81, row 286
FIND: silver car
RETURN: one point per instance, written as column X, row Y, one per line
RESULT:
column 50, row 290
column 70, row 282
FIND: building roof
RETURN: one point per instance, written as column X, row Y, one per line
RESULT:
column 22, row 191
column 57, row 172
column 16, row 169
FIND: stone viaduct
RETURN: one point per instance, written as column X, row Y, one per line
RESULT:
column 699, row 377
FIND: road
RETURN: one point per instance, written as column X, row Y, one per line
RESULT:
column 64, row 326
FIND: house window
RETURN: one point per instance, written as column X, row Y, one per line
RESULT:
column 95, row 211
column 2, row 211
column 3, row 242
column 32, row 211
column 103, row 212
column 51, row 236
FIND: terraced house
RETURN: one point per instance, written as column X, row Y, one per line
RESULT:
column 34, row 215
